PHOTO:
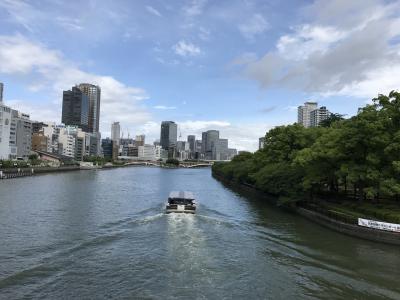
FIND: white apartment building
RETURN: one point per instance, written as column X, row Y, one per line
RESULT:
column 20, row 135
column 5, row 122
column 303, row 113
column 318, row 115
column 160, row 153
column 15, row 134
column 66, row 141
column 146, row 152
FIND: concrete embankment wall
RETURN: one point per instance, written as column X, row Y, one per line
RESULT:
column 350, row 229
column 370, row 234
column 22, row 172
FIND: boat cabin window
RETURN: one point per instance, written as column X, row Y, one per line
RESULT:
column 180, row 201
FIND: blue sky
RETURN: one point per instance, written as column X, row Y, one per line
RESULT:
column 239, row 66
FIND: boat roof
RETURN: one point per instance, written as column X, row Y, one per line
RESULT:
column 181, row 195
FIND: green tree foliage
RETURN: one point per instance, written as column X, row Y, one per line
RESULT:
column 172, row 161
column 331, row 120
column 360, row 155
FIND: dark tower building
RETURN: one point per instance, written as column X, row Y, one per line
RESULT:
column 93, row 93
column 75, row 108
column 169, row 134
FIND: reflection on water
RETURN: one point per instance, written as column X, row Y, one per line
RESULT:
column 103, row 234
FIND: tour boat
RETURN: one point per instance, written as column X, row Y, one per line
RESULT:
column 181, row 202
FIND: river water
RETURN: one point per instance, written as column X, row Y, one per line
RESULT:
column 103, row 234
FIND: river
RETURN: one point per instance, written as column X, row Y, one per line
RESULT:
column 104, row 234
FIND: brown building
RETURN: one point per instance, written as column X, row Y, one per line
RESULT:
column 39, row 142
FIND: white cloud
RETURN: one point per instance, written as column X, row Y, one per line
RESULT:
column 308, row 40
column 185, row 49
column 163, row 107
column 153, row 11
column 348, row 54
column 70, row 23
column 254, row 26
column 195, row 8
column 49, row 69
column 20, row 12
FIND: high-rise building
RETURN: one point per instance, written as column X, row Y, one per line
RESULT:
column 5, row 123
column 192, row 144
column 1, row 92
column 93, row 93
column 209, row 141
column 169, row 134
column 20, row 135
column 220, row 150
column 75, row 109
column 115, row 132
column 197, row 152
column 303, row 113
column 318, row 115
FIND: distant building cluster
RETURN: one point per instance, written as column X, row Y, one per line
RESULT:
column 210, row 147
column 78, row 136
column 309, row 115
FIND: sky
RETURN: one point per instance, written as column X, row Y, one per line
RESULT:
column 238, row 66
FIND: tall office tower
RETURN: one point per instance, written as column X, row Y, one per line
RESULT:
column 169, row 134
column 1, row 92
column 93, row 93
column 303, row 113
column 192, row 141
column 220, row 150
column 203, row 143
column 140, row 140
column 198, row 146
column 115, row 132
column 318, row 115
column 209, row 141
column 75, row 109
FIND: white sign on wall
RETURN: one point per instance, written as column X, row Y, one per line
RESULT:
column 379, row 225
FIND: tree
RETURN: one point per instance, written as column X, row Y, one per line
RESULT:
column 333, row 118
column 172, row 161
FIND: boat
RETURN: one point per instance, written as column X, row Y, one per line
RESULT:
column 181, row 202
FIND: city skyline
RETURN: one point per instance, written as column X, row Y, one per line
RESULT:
column 240, row 67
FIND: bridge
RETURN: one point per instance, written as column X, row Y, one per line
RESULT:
column 181, row 164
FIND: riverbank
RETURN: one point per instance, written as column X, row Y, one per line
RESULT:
column 12, row 173
column 23, row 172
column 335, row 220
